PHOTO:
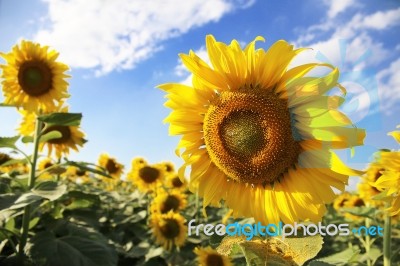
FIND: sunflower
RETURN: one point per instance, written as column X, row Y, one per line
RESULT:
column 32, row 78
column 168, row 229
column 77, row 175
column 209, row 257
column 71, row 136
column 168, row 201
column 43, row 167
column 113, row 168
column 341, row 200
column 365, row 189
column 260, row 136
column 169, row 167
column 173, row 181
column 146, row 177
column 17, row 168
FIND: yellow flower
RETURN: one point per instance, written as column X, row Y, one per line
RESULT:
column 368, row 191
column 260, row 136
column 341, row 201
column 389, row 181
column 113, row 168
column 32, row 78
column 71, row 136
column 209, row 257
column 168, row 167
column 174, row 182
column 20, row 168
column 168, row 229
column 75, row 174
column 42, row 166
column 146, row 177
column 347, row 200
column 171, row 201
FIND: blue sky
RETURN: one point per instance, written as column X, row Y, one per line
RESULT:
column 119, row 50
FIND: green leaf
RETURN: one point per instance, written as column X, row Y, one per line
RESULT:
column 25, row 200
column 153, row 252
column 15, row 161
column 62, row 119
column 368, row 212
column 8, row 142
column 51, row 135
column 84, row 167
column 27, row 139
column 82, row 200
column 342, row 258
column 33, row 222
column 49, row 190
column 71, row 250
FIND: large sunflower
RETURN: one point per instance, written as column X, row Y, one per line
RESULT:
column 33, row 79
column 168, row 229
column 209, row 257
column 259, row 135
column 168, row 201
column 71, row 136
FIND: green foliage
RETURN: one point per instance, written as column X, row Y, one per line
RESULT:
column 61, row 119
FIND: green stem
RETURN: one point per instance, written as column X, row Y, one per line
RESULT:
column 31, row 182
column 368, row 242
column 386, row 240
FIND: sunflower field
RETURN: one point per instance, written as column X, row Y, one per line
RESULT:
column 258, row 141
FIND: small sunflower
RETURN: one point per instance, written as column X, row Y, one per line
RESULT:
column 174, row 182
column 348, row 201
column 365, row 189
column 42, row 166
column 341, row 201
column 168, row 229
column 111, row 165
column 146, row 177
column 32, row 78
column 169, row 167
column 209, row 257
column 168, row 201
column 259, row 136
column 71, row 136
column 77, row 175
column 18, row 168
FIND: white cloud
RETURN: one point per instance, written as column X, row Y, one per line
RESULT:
column 117, row 34
column 389, row 86
column 338, row 6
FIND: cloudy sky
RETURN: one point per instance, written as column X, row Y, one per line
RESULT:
column 119, row 50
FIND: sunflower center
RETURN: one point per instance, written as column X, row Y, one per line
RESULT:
column 111, row 166
column 149, row 174
column 214, row 260
column 342, row 203
column 248, row 135
column 65, row 134
column 170, row 229
column 35, row 78
column 176, row 182
column 4, row 158
column 170, row 203
column 359, row 203
column 47, row 165
column 242, row 133
column 80, row 172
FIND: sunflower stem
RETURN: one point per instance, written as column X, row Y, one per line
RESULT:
column 386, row 239
column 31, row 182
column 368, row 242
